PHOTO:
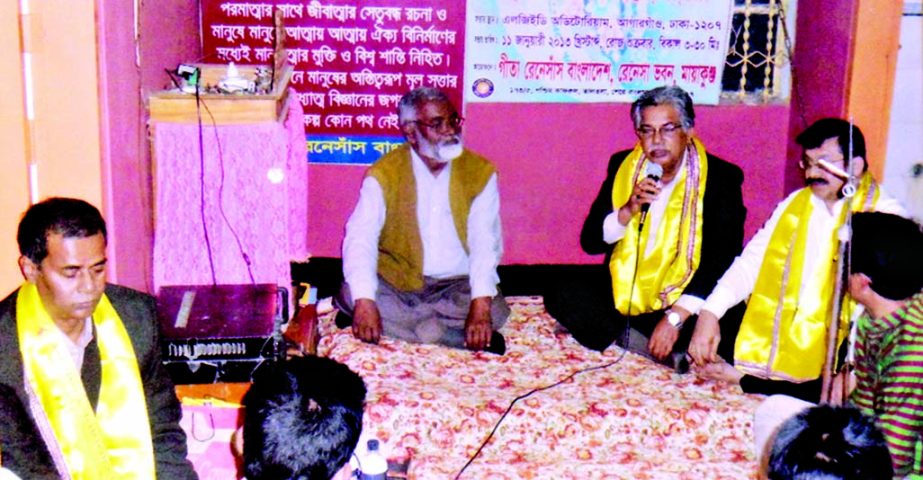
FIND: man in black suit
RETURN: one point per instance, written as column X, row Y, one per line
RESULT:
column 83, row 357
column 678, row 205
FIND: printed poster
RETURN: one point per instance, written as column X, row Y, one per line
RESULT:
column 352, row 62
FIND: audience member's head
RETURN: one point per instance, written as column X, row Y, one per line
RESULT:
column 69, row 217
column 829, row 443
column 888, row 251
column 302, row 419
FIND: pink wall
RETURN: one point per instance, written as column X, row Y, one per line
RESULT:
column 552, row 159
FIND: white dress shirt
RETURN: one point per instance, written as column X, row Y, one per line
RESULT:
column 614, row 231
column 443, row 254
column 737, row 283
column 78, row 348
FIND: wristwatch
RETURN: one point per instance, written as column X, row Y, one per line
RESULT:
column 674, row 319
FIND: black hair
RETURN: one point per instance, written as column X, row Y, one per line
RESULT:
column 889, row 250
column 827, row 442
column 826, row 128
column 302, row 419
column 70, row 217
column 667, row 95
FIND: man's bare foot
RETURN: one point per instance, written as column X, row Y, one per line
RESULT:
column 720, row 371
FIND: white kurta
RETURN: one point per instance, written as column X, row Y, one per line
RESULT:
column 737, row 283
column 443, row 254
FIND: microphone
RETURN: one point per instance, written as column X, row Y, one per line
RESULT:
column 654, row 172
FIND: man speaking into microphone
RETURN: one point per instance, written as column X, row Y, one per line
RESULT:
column 669, row 218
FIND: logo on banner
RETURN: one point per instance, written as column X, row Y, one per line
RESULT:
column 482, row 87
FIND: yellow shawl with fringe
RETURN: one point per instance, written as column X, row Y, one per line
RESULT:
column 113, row 442
column 783, row 334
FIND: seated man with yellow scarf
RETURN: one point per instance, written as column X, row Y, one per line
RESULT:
column 686, row 223
column 84, row 357
column 788, row 270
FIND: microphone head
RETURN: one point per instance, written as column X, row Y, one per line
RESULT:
column 654, row 171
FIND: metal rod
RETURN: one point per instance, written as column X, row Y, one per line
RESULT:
column 844, row 234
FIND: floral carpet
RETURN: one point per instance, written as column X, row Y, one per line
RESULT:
column 632, row 419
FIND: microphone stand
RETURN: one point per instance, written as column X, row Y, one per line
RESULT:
column 844, row 235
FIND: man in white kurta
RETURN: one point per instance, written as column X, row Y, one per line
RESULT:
column 422, row 247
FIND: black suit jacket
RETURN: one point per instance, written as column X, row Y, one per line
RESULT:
column 137, row 311
column 722, row 222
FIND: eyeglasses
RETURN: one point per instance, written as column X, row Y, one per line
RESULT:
column 454, row 122
column 667, row 130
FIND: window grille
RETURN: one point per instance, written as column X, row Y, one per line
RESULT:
column 758, row 63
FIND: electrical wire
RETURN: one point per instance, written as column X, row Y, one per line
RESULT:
column 208, row 244
column 240, row 246
column 358, row 462
column 624, row 343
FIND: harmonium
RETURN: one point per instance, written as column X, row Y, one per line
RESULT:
column 221, row 333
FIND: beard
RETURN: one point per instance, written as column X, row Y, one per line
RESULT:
column 443, row 150
column 449, row 150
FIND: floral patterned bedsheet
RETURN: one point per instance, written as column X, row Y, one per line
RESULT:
column 630, row 420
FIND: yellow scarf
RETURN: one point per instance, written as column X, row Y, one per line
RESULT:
column 665, row 272
column 113, row 442
column 783, row 334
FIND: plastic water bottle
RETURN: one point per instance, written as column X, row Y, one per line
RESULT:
column 374, row 466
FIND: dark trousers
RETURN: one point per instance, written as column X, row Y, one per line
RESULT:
column 434, row 314
column 584, row 306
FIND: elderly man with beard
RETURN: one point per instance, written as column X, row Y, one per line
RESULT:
column 422, row 246
column 787, row 273
column 685, row 223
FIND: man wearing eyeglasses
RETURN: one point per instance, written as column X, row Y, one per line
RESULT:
column 667, row 237
column 422, row 246
column 787, row 273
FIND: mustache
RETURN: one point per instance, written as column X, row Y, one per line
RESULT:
column 815, row 181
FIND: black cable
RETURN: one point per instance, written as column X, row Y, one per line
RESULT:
column 173, row 79
column 358, row 462
column 528, row 394
column 240, row 246
column 625, row 337
column 208, row 245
